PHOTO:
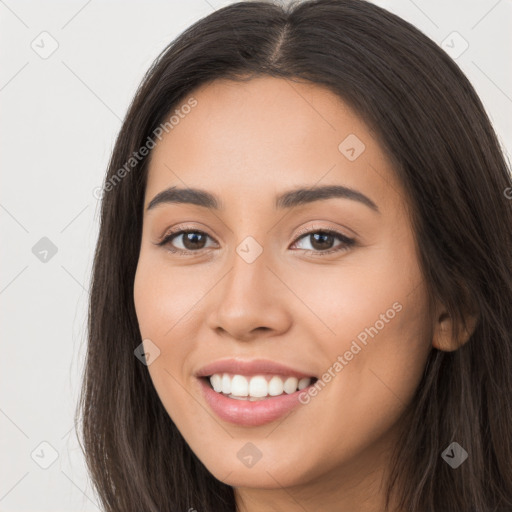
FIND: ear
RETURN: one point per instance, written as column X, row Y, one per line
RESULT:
column 443, row 338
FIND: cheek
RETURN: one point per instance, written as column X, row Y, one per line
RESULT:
column 164, row 297
column 373, row 359
column 166, row 301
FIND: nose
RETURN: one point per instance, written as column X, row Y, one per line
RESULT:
column 250, row 301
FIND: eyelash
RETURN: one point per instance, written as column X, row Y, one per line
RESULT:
column 346, row 244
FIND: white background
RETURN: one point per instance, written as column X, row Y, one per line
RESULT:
column 59, row 119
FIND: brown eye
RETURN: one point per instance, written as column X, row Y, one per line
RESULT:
column 321, row 241
column 191, row 241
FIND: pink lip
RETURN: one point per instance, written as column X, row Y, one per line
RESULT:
column 249, row 414
column 252, row 367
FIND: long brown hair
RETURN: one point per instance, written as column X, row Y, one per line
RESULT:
column 429, row 120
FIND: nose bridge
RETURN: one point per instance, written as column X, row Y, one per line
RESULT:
column 247, row 296
column 248, row 277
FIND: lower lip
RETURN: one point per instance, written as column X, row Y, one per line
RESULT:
column 246, row 413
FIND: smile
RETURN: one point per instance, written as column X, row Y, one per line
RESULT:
column 257, row 387
column 248, row 410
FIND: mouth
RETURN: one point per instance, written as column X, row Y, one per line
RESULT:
column 253, row 392
column 255, row 400
column 253, row 388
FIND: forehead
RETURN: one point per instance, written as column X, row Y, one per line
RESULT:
column 248, row 140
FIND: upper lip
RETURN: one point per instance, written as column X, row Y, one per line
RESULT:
column 249, row 367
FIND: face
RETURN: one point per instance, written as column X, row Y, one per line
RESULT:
column 320, row 286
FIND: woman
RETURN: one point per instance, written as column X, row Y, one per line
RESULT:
column 301, row 295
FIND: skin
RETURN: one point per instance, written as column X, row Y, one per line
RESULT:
column 245, row 143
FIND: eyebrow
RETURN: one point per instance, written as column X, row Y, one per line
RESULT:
column 289, row 199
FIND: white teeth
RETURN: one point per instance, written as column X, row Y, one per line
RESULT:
column 226, row 384
column 290, row 385
column 239, row 386
column 275, row 386
column 304, row 383
column 216, row 381
column 258, row 386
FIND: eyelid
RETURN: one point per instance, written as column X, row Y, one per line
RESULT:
column 174, row 230
column 314, row 228
column 323, row 224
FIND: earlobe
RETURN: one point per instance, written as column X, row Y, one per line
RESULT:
column 443, row 336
